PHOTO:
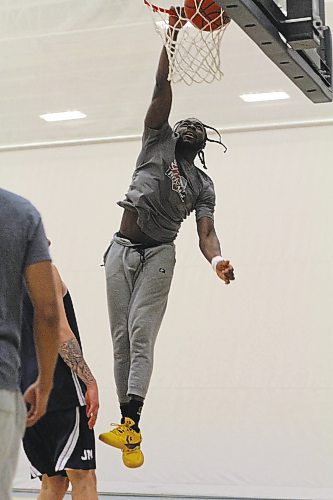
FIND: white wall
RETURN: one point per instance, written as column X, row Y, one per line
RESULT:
column 241, row 399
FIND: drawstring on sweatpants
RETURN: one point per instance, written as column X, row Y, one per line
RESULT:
column 138, row 247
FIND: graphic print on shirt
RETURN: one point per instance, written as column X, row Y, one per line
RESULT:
column 178, row 182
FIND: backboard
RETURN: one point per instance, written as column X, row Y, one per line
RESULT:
column 293, row 34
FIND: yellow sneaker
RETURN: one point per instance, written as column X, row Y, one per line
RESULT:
column 133, row 456
column 122, row 436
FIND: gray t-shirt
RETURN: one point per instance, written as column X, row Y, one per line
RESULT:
column 22, row 243
column 163, row 192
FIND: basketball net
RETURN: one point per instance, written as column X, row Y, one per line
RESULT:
column 195, row 57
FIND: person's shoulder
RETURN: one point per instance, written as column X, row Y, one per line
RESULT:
column 204, row 176
column 159, row 133
column 17, row 204
column 11, row 198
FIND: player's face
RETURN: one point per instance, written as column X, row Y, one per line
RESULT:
column 192, row 131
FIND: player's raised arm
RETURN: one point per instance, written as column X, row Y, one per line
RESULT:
column 160, row 107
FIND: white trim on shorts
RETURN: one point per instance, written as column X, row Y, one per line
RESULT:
column 34, row 472
column 66, row 453
column 78, row 388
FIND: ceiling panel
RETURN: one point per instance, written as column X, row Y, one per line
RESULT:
column 100, row 57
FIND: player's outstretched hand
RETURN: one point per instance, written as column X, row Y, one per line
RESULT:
column 226, row 18
column 225, row 271
column 37, row 397
column 92, row 403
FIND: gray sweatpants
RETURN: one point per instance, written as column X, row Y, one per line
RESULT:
column 12, row 426
column 137, row 291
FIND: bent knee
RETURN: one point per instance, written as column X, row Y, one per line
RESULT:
column 78, row 476
column 55, row 485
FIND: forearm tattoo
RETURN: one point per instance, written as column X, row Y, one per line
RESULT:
column 71, row 353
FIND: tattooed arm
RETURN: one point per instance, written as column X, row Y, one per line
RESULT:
column 71, row 353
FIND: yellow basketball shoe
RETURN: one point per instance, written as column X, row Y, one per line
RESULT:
column 122, row 436
column 133, row 456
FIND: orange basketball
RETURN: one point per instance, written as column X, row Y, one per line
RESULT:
column 204, row 14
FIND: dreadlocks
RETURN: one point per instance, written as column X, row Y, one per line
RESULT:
column 201, row 153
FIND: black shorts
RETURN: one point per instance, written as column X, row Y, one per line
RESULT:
column 58, row 441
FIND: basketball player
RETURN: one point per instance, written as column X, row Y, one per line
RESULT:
column 166, row 187
column 61, row 446
column 24, row 254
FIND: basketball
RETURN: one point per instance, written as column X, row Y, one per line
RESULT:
column 204, row 14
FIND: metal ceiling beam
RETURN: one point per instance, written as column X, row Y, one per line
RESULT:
column 262, row 29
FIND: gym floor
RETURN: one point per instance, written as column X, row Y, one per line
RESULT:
column 25, row 495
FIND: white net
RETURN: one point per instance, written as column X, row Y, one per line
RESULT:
column 195, row 55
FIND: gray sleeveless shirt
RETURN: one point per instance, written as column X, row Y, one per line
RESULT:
column 163, row 192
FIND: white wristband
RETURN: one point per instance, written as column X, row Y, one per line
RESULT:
column 215, row 260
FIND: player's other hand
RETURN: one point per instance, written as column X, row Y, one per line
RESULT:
column 225, row 271
column 92, row 403
column 36, row 396
column 177, row 19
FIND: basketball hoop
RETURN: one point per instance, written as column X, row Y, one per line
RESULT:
column 195, row 55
